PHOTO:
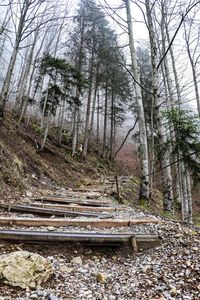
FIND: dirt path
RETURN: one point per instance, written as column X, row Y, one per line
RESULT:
column 168, row 271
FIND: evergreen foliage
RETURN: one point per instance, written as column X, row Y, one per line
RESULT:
column 185, row 143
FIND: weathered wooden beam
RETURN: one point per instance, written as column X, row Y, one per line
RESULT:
column 74, row 201
column 88, row 238
column 134, row 244
column 78, row 208
column 52, row 211
column 86, row 190
column 103, row 223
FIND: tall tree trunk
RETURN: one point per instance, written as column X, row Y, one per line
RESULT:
column 25, row 94
column 171, row 104
column 20, row 85
column 187, row 198
column 74, row 131
column 87, row 122
column 164, row 158
column 112, row 129
column 104, row 146
column 93, row 106
column 194, row 71
column 77, row 104
column 6, row 85
column 98, row 116
column 61, row 122
column 178, row 90
column 144, row 156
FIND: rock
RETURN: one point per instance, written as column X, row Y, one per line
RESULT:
column 161, row 287
column 66, row 269
column 77, row 260
column 179, row 235
column 33, row 296
column 173, row 291
column 188, row 263
column 195, row 248
column 41, row 293
column 51, row 228
column 52, row 297
column 102, row 277
column 146, row 268
column 29, row 194
column 114, row 257
column 24, row 269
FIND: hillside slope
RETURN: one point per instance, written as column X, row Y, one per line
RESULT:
column 23, row 167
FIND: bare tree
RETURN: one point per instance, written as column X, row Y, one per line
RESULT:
column 144, row 156
column 25, row 24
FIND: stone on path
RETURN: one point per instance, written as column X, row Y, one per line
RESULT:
column 77, row 260
column 24, row 269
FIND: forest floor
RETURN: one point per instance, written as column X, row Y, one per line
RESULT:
column 169, row 271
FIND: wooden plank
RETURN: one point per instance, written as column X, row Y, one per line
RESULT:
column 52, row 211
column 134, row 244
column 103, row 223
column 87, row 190
column 74, row 201
column 78, row 208
column 83, row 237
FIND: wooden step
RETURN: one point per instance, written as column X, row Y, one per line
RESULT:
column 74, row 201
column 79, row 208
column 103, row 223
column 86, row 238
column 51, row 211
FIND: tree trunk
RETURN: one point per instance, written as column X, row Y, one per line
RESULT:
column 104, row 146
column 61, row 122
column 189, row 196
column 194, row 71
column 98, row 114
column 25, row 92
column 112, row 129
column 165, row 157
column 6, row 85
column 93, row 106
column 144, row 156
column 74, row 131
column 87, row 122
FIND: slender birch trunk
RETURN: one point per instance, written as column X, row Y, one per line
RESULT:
column 24, row 98
column 76, row 105
column 187, row 196
column 144, row 156
column 104, row 146
column 98, row 117
column 87, row 122
column 194, row 71
column 165, row 157
column 112, row 129
column 93, row 106
column 6, row 85
column 61, row 122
